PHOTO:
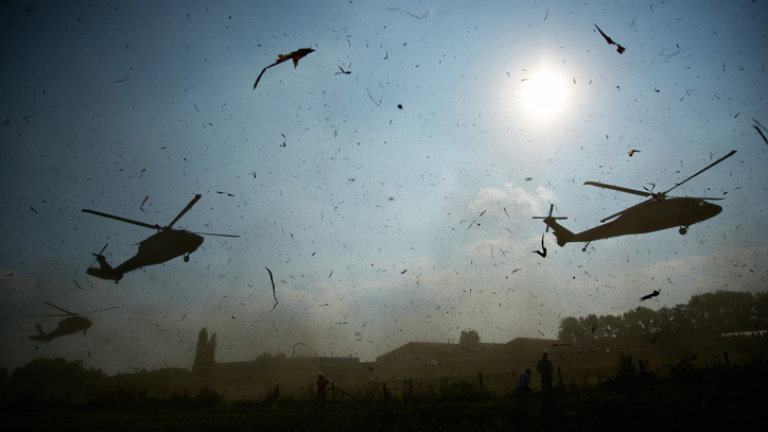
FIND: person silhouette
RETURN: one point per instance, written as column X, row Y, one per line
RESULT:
column 545, row 368
column 524, row 381
column 322, row 395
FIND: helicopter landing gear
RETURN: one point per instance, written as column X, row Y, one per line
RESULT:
column 186, row 258
column 584, row 249
column 683, row 230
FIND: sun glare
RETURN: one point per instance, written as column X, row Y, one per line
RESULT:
column 543, row 94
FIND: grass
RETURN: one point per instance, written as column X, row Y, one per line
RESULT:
column 700, row 399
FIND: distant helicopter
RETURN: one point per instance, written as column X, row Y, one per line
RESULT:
column 657, row 213
column 73, row 324
column 166, row 244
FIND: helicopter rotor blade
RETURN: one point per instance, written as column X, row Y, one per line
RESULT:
column 613, row 215
column 121, row 219
column 186, row 209
column 99, row 310
column 708, row 167
column 217, row 235
column 61, row 309
column 619, row 188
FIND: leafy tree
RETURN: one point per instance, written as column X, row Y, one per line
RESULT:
column 706, row 314
column 57, row 376
column 571, row 330
column 469, row 338
column 205, row 354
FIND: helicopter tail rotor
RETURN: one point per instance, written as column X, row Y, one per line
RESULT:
column 549, row 217
column 99, row 254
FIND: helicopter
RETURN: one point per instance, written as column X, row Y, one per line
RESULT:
column 70, row 325
column 165, row 245
column 657, row 213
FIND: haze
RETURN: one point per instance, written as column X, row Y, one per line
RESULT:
column 382, row 225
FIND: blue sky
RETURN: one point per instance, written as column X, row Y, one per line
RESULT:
column 103, row 105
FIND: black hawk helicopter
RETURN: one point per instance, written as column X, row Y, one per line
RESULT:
column 70, row 325
column 165, row 245
column 655, row 214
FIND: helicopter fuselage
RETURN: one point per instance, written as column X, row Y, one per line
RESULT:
column 157, row 249
column 65, row 327
column 649, row 216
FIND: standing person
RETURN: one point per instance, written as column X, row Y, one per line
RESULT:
column 322, row 395
column 545, row 368
column 522, row 383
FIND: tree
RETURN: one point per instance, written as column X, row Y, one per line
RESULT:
column 571, row 330
column 469, row 338
column 205, row 354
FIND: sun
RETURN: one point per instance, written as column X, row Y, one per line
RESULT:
column 543, row 94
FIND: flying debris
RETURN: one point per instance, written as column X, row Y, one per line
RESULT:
column 272, row 279
column 294, row 348
column 141, row 207
column 543, row 251
column 759, row 131
column 343, row 71
column 165, row 245
column 756, row 128
column 610, row 41
column 651, row 295
column 295, row 56
column 409, row 13
column 633, row 151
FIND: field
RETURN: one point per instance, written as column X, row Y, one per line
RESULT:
column 718, row 397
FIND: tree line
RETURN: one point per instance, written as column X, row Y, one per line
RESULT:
column 704, row 315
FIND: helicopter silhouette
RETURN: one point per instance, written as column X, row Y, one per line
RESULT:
column 657, row 213
column 165, row 245
column 70, row 325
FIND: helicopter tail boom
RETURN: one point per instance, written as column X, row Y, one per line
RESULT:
column 105, row 271
column 562, row 233
column 42, row 337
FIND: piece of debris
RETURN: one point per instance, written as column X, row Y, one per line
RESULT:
column 610, row 41
column 272, row 279
column 544, row 253
column 633, row 151
column 653, row 294
column 343, row 71
column 295, row 56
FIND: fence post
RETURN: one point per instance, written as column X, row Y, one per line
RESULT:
column 560, row 376
column 480, row 377
column 333, row 392
column 727, row 360
column 410, row 386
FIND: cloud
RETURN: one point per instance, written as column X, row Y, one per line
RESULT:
column 514, row 199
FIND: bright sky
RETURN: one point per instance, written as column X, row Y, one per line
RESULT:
column 364, row 214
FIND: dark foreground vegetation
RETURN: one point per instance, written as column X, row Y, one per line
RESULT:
column 717, row 397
